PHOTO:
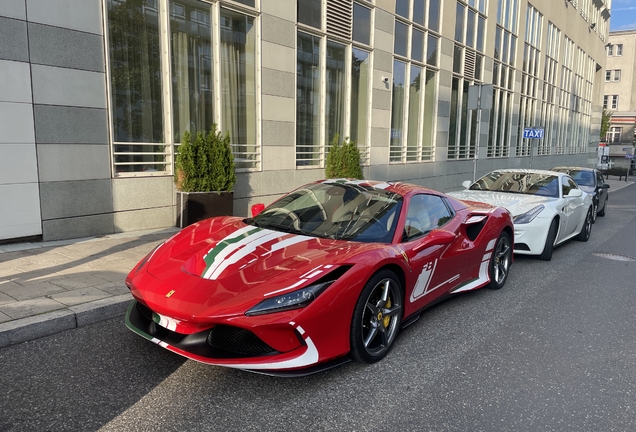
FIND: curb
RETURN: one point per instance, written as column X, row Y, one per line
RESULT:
column 26, row 329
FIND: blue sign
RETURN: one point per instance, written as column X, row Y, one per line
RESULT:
column 532, row 133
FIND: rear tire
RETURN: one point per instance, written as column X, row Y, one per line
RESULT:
column 546, row 255
column 376, row 318
column 500, row 261
column 584, row 235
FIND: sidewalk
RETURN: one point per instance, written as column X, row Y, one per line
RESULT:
column 48, row 287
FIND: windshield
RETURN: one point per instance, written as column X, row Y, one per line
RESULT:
column 336, row 211
column 581, row 177
column 519, row 182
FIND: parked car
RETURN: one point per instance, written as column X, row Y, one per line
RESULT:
column 547, row 207
column 330, row 270
column 591, row 181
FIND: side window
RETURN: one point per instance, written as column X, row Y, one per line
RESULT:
column 565, row 186
column 599, row 179
column 425, row 213
column 572, row 184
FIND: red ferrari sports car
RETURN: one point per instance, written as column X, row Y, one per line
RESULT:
column 329, row 272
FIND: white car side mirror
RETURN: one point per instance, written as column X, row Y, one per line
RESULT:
column 575, row 193
column 467, row 184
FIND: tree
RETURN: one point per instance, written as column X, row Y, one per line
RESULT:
column 606, row 118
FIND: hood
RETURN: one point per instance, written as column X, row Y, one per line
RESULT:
column 515, row 203
column 223, row 266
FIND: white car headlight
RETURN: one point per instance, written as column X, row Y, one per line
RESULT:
column 528, row 216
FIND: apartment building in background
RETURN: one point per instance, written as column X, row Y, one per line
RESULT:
column 96, row 94
column 619, row 96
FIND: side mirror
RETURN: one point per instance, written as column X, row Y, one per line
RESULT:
column 575, row 193
column 605, row 186
column 437, row 237
column 467, row 184
column 257, row 208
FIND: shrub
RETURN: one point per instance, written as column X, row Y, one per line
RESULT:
column 206, row 163
column 343, row 160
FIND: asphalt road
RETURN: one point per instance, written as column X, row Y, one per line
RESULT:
column 554, row 350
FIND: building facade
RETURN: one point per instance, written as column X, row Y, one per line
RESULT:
column 619, row 96
column 96, row 94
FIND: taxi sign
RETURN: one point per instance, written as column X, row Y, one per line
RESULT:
column 533, row 133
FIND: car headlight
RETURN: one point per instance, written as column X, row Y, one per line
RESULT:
column 528, row 216
column 293, row 300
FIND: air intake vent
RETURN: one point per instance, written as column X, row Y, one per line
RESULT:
column 340, row 18
column 469, row 65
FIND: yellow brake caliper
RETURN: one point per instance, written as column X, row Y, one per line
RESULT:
column 387, row 319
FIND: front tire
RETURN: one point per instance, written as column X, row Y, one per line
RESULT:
column 584, row 235
column 500, row 261
column 546, row 255
column 376, row 318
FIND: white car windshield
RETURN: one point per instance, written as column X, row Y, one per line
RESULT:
column 519, row 182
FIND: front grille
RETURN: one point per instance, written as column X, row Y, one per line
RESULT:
column 144, row 311
column 236, row 340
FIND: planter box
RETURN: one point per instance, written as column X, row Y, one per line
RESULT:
column 193, row 207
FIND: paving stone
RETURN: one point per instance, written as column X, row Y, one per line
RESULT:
column 6, row 299
column 79, row 296
column 114, row 288
column 79, row 281
column 4, row 318
column 32, row 291
column 28, row 308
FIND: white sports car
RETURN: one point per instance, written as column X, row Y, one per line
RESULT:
column 547, row 207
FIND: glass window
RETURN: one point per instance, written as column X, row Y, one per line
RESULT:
column 610, row 49
column 308, row 100
column 470, row 29
column 361, row 24
column 425, row 213
column 135, row 84
column 608, row 75
column 617, row 75
column 431, row 50
column 459, row 22
column 458, row 59
column 498, row 43
column 310, row 12
column 615, row 102
column 397, row 110
column 191, row 67
column 414, row 113
column 238, row 86
column 481, row 25
column 335, row 97
column 402, row 8
column 428, row 135
column 433, row 15
column 605, row 101
column 245, row 2
column 417, row 45
column 401, row 38
column 419, row 7
column 619, row 49
column 360, row 69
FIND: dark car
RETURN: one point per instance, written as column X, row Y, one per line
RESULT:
column 591, row 181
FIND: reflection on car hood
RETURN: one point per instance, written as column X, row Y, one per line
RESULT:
column 587, row 189
column 515, row 203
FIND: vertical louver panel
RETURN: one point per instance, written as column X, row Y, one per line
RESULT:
column 469, row 65
column 340, row 18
